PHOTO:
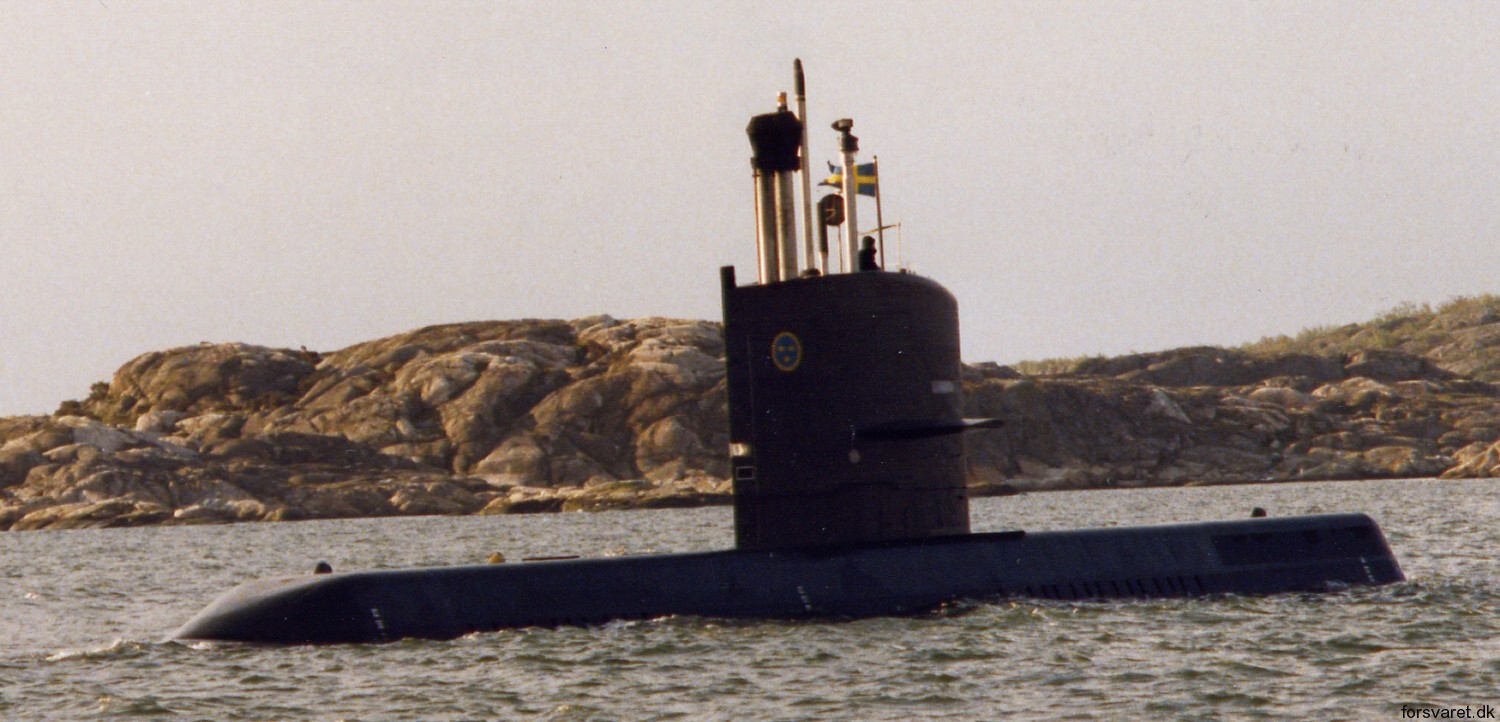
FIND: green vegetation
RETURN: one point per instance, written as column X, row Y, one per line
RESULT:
column 1047, row 367
column 1461, row 335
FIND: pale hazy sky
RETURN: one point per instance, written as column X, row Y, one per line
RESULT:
column 1085, row 177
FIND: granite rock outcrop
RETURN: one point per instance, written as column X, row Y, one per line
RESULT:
column 599, row 413
column 1193, row 421
column 466, row 418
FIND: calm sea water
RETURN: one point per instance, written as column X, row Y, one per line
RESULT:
column 85, row 614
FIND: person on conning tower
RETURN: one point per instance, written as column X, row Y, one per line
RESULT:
column 867, row 260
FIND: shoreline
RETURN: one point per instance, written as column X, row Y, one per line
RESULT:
column 637, row 495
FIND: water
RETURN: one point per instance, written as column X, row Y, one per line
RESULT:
column 84, row 616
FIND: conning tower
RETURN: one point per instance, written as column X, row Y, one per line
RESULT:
column 845, row 399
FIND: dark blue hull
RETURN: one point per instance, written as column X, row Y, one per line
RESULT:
column 1252, row 556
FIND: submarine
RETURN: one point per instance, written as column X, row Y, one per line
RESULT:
column 849, row 480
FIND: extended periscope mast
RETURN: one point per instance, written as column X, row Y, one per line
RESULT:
column 845, row 408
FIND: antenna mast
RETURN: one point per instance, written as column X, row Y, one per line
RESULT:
column 807, row 226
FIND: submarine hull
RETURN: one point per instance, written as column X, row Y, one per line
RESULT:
column 1253, row 556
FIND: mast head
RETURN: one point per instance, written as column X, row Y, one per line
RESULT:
column 847, row 142
column 775, row 140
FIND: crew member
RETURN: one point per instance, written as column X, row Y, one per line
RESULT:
column 867, row 260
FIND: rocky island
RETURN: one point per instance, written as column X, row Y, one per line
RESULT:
column 598, row 413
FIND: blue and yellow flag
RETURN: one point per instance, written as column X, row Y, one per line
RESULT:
column 864, row 178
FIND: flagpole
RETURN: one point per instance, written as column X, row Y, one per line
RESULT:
column 879, row 221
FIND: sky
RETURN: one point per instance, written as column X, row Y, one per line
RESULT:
column 1085, row 177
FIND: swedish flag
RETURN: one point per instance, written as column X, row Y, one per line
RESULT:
column 864, row 178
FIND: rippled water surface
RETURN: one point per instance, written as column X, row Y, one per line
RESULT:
column 85, row 615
